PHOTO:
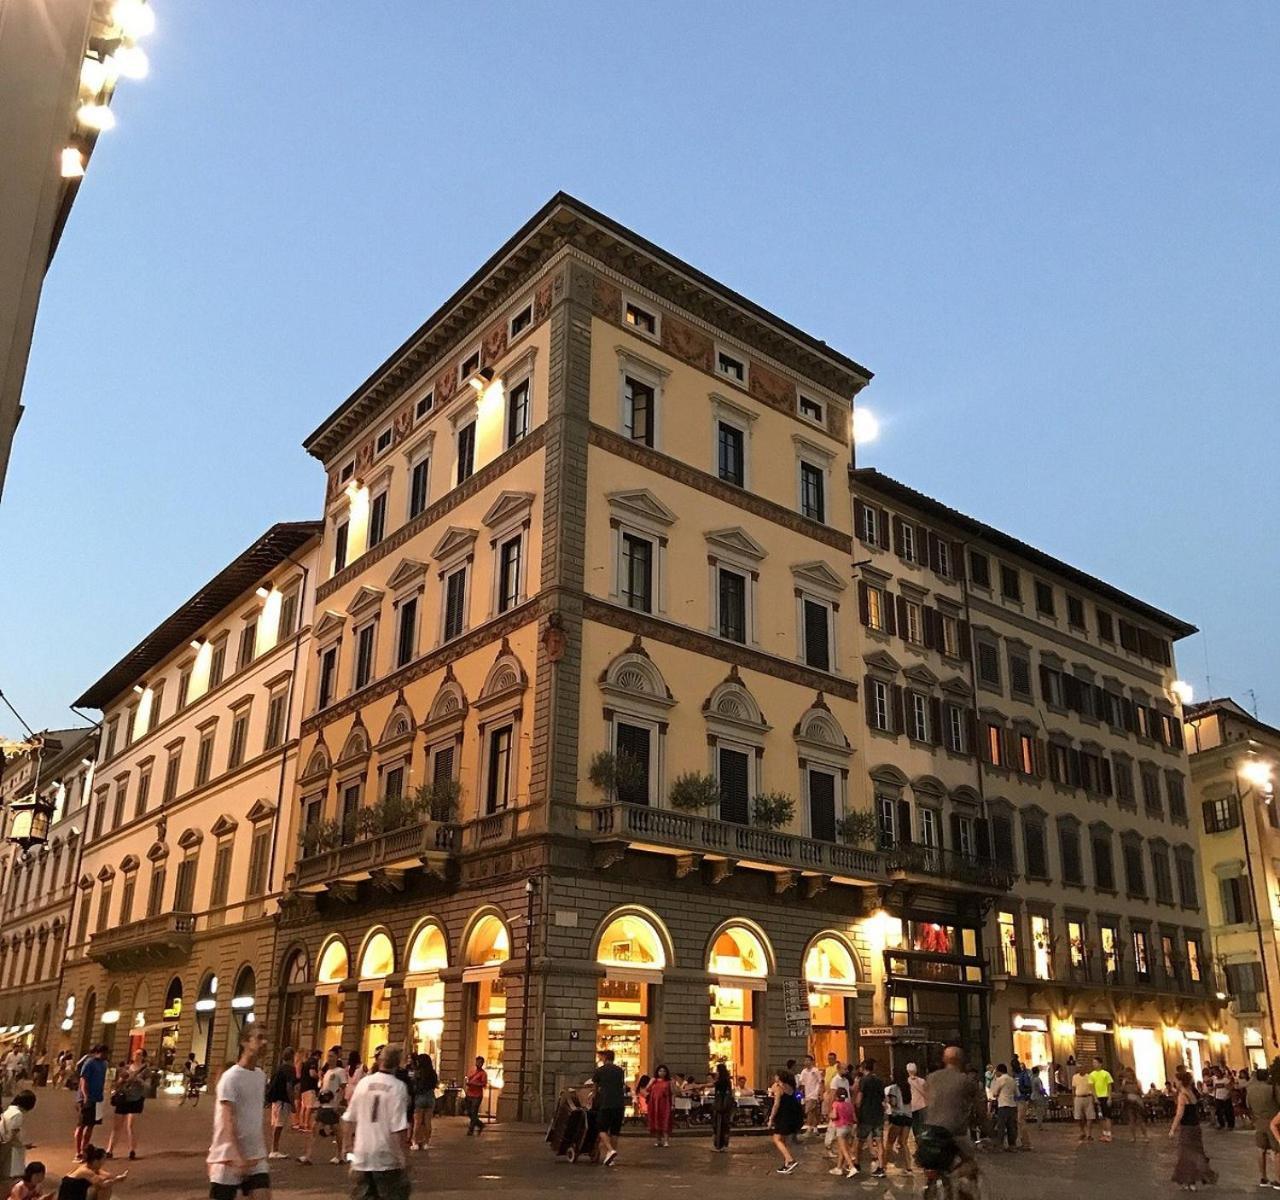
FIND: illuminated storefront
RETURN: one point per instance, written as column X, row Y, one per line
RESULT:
column 634, row 958
column 169, row 1029
column 329, row 999
column 1031, row 1039
column 138, row 1022
column 831, row 979
column 740, row 966
column 428, row 956
column 1251, row 1037
column 377, row 961
column 1147, row 1047
column 487, row 949
column 1095, row 1038
column 243, row 1013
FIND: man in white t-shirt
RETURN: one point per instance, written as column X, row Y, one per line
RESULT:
column 812, row 1084
column 238, row 1153
column 335, row 1080
column 379, row 1114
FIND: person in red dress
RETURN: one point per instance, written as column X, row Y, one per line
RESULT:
column 659, row 1098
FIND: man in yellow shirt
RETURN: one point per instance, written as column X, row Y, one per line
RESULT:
column 1101, row 1079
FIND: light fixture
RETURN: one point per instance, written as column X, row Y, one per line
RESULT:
column 132, row 62
column 241, row 1002
column 1221, row 995
column 134, row 18
column 96, row 116
column 67, row 1023
column 262, row 591
column 71, row 1006
column 139, row 688
column 866, row 426
column 96, row 73
column 1094, row 1027
column 72, row 163
column 206, row 1005
column 250, row 1017
column 86, row 762
column 1183, row 690
column 111, row 1016
column 197, row 643
column 481, row 379
column 1257, row 772
column 30, row 820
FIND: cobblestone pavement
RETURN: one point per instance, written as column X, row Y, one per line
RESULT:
column 513, row 1163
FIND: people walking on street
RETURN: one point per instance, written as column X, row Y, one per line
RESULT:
column 1191, row 1167
column 379, row 1116
column 474, row 1085
column 919, row 1099
column 1102, row 1082
column 1004, row 1095
column 324, row 1127
column 189, row 1088
column 955, row 1097
column 786, row 1118
column 90, row 1091
column 1025, row 1083
column 1038, row 1106
column 1223, row 1107
column 88, row 1180
column 841, row 1123
column 426, row 1082
column 337, row 1080
column 811, row 1084
column 868, row 1107
column 238, row 1150
column 897, row 1107
column 1263, row 1102
column 13, row 1143
column 127, row 1100
column 609, row 1100
column 308, row 1086
column 280, row 1095
column 1083, row 1101
column 1129, row 1091
column 660, row 1107
column 722, row 1106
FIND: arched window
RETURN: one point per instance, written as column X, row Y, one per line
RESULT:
column 331, row 974
column 377, row 961
column 633, row 953
column 428, row 956
column 831, row 976
column 488, row 946
column 243, row 1007
column 740, row 959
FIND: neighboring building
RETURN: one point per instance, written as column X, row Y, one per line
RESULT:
column 595, row 505
column 1021, row 708
column 1235, row 766
column 173, row 935
column 51, row 64
column 37, row 886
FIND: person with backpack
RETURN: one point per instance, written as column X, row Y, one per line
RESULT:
column 1024, row 1083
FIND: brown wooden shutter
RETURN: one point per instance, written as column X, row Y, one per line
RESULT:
column 904, row 822
column 928, row 619
column 868, row 701
column 1104, row 775
column 966, row 640
column 864, row 611
column 1011, row 748
column 901, row 606
column 971, row 723
column 1038, row 757
column 897, row 711
column 858, row 523
column 882, row 530
column 935, row 720
column 890, row 611
column 932, row 553
column 897, row 536
column 1044, row 681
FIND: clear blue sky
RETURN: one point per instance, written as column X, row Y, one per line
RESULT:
column 1051, row 233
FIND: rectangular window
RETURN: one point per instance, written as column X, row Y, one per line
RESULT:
column 1037, row 858
column 995, row 744
column 239, row 738
column 288, row 614
column 731, row 367
column 640, row 318
column 944, row 559
column 144, row 792
column 341, row 535
column 520, row 321
column 328, row 676
column 928, row 818
column 466, row 451
column 276, row 709
column 949, row 630
column 204, row 758
column 1010, row 583
column 913, row 627
column 1075, row 944
column 117, row 815
column 455, row 606
column 638, row 403
column 1193, row 959
column 733, row 605
column 1186, row 868
column 731, row 454
column 1135, row 875
column 1104, row 875
column 1151, row 802
column 221, row 874
column 1026, row 754
column 259, row 856
column 908, row 542
column 878, row 706
column 1141, row 964
column 1161, row 877
column 424, row 406
column 810, row 409
column 364, row 655
column 1110, row 937
column 407, row 633
column 817, row 635
column 498, row 783
column 509, row 574
column 517, row 412
column 1244, row 985
column 126, row 898
column 377, row 519
column 812, row 492
column 1042, row 947
column 1069, row 848
column 217, row 662
column 382, row 443
column 130, row 722
column 1019, row 674
column 1044, row 598
column 919, row 717
column 957, row 737
column 393, row 783
column 988, row 663
column 979, row 569
column 184, row 687
column 418, row 477
column 104, row 909
column 1008, row 943
column 1106, row 626
column 822, row 805
column 637, row 572
column 155, row 893
column 1075, row 612
column 350, row 811
column 248, row 642
column 1237, row 904
column 184, row 892
column 735, row 774
column 469, row 365
column 632, row 744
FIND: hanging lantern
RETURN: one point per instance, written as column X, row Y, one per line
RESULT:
column 29, row 825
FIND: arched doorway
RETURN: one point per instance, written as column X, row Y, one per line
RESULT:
column 244, row 1001
column 169, row 1025
column 831, row 978
column 428, row 956
column 634, row 955
column 110, row 1022
column 138, row 1021
column 377, row 961
column 206, row 1014
column 294, row 981
column 332, row 974
column 488, row 947
column 739, row 961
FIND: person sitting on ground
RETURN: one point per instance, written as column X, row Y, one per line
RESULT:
column 88, row 1181
column 31, row 1185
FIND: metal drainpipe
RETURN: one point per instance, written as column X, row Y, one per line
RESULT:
column 973, row 676
column 284, row 758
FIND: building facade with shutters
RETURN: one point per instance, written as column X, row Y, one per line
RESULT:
column 580, row 759
column 37, row 886
column 1019, row 708
column 172, row 938
column 1235, row 767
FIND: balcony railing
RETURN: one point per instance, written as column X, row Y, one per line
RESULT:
column 153, row 939
column 937, row 863
column 428, row 843
column 741, row 843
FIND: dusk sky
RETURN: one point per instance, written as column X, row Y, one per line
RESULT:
column 1052, row 233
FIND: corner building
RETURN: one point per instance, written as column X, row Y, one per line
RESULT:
column 596, row 506
column 1023, row 710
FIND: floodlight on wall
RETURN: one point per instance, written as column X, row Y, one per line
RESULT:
column 71, row 163
column 481, row 379
column 96, row 116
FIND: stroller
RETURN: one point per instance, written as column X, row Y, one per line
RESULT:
column 572, row 1130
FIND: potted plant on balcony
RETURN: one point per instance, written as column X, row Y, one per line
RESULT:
column 438, row 800
column 857, row 828
column 619, row 776
column 397, row 812
column 368, row 822
column 694, row 791
column 320, row 838
column 772, row 810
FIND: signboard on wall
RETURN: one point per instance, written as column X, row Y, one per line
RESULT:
column 895, row 1033
column 795, row 1005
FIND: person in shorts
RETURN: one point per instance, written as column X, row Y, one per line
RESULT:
column 237, row 1156
column 868, row 1104
column 91, row 1090
column 1101, row 1079
column 1264, row 1104
column 324, row 1126
column 609, row 1100
column 1084, row 1102
column 842, row 1123
column 280, row 1093
column 379, row 1116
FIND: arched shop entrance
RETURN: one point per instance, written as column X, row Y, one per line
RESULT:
column 293, row 992
column 377, row 961
column 488, row 947
column 634, row 957
column 243, row 1009
column 428, row 956
column 831, row 979
column 329, row 999
column 169, row 1026
column 138, row 1021
column 206, row 1018
column 739, row 963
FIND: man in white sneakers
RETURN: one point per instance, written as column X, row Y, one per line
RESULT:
column 379, row 1115
column 238, row 1153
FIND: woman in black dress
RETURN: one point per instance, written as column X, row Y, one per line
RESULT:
column 786, row 1118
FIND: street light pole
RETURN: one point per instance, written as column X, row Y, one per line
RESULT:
column 530, row 891
column 1257, row 911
